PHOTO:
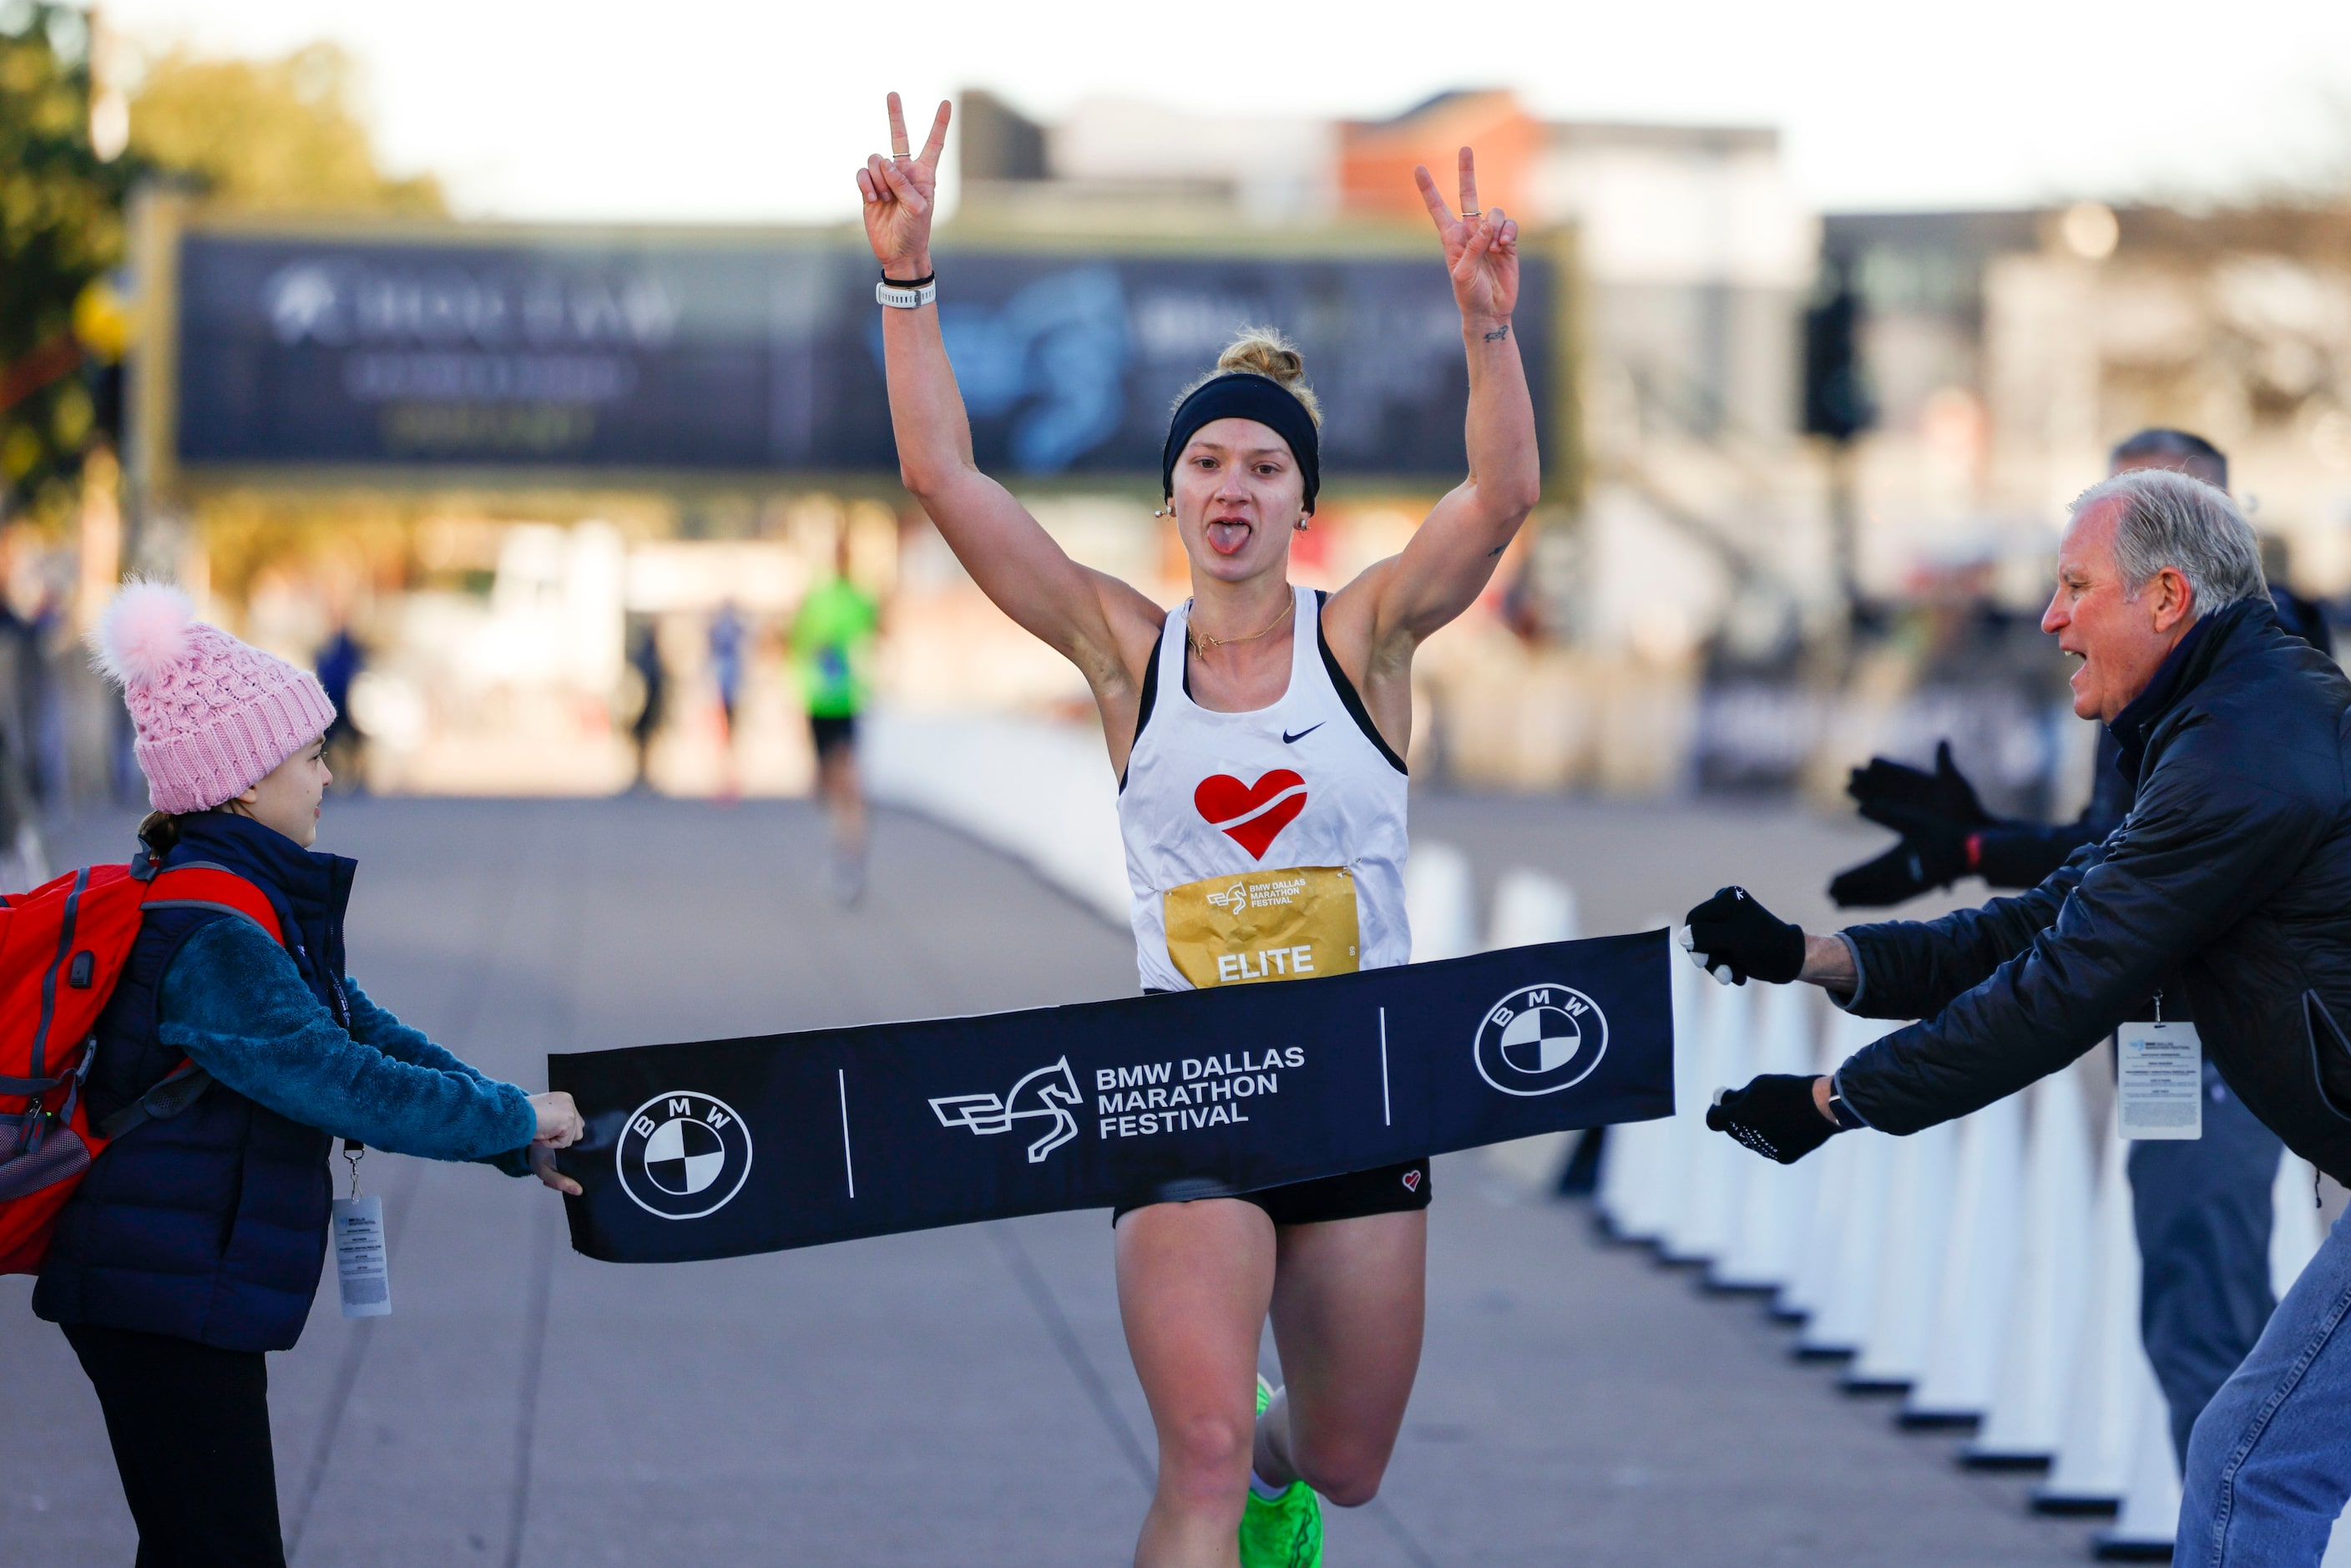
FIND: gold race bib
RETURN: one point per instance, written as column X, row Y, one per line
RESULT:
column 1263, row 925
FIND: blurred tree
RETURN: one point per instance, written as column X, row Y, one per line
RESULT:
column 270, row 135
column 60, row 231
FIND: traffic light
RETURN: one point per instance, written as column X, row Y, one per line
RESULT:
column 1837, row 402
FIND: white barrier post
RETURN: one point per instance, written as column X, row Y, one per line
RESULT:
column 1440, row 901
column 2295, row 1232
column 1641, row 1179
column 1840, row 1320
column 1702, row 1230
column 1910, row 1263
column 1530, row 908
column 2090, row 1468
column 1823, row 1215
column 1807, row 1287
column 2019, row 1429
column 1769, row 1229
column 2149, row 1516
column 1955, row 1385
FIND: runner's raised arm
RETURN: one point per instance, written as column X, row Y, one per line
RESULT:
column 1098, row 623
column 1375, row 621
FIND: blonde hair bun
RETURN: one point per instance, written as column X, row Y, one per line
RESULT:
column 1265, row 351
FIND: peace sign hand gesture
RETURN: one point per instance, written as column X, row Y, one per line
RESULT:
column 898, row 191
column 1481, row 249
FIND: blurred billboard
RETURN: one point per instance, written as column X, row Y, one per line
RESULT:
column 701, row 355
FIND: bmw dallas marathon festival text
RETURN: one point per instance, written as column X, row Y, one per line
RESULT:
column 1198, row 1091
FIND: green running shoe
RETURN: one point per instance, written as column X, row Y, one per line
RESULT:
column 1287, row 1532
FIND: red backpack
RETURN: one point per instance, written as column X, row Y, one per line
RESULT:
column 62, row 947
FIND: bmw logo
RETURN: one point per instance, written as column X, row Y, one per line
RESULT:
column 682, row 1154
column 1539, row 1040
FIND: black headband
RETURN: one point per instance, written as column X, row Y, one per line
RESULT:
column 1242, row 394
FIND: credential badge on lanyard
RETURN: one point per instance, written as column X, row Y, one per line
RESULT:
column 2159, row 1082
column 360, row 1265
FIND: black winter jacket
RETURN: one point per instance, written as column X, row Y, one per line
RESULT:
column 2230, row 881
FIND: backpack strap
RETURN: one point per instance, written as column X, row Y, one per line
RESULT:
column 200, row 884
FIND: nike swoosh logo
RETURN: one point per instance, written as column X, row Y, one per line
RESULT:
column 1290, row 739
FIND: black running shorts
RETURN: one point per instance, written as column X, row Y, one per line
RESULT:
column 830, row 731
column 1390, row 1189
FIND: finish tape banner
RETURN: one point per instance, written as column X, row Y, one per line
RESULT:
column 734, row 1146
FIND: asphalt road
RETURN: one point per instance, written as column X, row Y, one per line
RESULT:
column 959, row 1396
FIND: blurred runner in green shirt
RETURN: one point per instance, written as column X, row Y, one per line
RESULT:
column 832, row 646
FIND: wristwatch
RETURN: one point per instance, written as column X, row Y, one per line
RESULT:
column 1848, row 1120
column 908, row 295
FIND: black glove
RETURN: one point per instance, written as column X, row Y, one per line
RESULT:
column 1774, row 1116
column 1921, row 860
column 1910, row 801
column 1733, row 938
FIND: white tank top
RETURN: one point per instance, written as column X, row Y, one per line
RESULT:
column 1306, row 782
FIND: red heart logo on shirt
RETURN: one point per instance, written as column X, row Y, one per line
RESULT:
column 1412, row 1181
column 1251, row 815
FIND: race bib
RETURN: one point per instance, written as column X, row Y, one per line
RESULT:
column 1263, row 925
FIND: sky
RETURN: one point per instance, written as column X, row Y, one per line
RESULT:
column 732, row 111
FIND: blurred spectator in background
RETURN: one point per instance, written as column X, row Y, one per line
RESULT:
column 726, row 637
column 23, row 863
column 726, row 634
column 340, row 664
column 653, row 680
column 2201, row 1205
column 832, row 645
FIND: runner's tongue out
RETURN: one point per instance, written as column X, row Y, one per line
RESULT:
column 1226, row 536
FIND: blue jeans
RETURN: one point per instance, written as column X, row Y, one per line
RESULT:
column 2268, row 1467
column 2201, row 1207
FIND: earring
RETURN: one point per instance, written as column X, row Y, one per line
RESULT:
column 1303, row 518
column 1166, row 511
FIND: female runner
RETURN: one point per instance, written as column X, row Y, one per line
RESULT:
column 1257, row 727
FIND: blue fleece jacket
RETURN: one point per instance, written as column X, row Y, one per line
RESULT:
column 235, row 1002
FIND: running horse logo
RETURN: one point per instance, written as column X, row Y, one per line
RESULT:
column 1049, row 1092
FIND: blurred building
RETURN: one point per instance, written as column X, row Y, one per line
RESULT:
column 1692, row 494
column 2009, row 351
column 506, row 453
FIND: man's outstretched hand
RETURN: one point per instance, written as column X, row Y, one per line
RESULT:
column 1935, row 812
column 1736, row 939
column 1911, row 799
column 1776, row 1116
column 1921, row 862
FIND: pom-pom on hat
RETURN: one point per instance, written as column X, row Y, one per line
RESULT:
column 214, row 715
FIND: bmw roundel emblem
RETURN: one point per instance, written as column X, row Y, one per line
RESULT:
column 1539, row 1040
column 682, row 1154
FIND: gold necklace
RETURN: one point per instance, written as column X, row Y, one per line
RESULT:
column 1197, row 637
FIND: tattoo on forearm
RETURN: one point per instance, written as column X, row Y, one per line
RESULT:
column 1499, row 333
column 1495, row 551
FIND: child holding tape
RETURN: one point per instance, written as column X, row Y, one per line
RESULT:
column 195, row 1244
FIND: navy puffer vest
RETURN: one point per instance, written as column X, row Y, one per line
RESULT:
column 210, row 1225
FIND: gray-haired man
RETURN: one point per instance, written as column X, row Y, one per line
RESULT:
column 2229, row 883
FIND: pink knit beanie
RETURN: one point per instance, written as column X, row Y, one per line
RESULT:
column 214, row 715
